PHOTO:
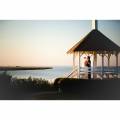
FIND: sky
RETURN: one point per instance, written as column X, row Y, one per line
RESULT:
column 45, row 42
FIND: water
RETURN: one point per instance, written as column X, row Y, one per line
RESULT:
column 50, row 74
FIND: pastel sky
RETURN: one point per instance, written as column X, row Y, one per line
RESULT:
column 45, row 43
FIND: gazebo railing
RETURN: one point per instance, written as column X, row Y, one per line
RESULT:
column 96, row 72
column 74, row 73
column 102, row 72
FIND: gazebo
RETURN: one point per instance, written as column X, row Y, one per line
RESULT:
column 94, row 43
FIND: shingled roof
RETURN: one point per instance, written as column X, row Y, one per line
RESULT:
column 95, row 41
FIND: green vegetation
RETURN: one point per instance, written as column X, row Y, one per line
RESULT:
column 31, row 84
column 61, row 89
column 16, row 88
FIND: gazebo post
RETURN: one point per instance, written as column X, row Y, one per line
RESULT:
column 117, row 63
column 79, row 66
column 94, row 64
column 108, row 61
column 73, row 61
column 102, row 65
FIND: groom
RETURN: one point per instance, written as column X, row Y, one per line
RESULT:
column 89, row 67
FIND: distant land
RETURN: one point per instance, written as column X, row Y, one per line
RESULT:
column 22, row 68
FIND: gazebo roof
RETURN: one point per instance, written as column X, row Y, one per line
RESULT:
column 95, row 41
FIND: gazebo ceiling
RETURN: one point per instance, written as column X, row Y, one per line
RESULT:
column 95, row 41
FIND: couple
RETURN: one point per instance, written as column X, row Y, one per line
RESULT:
column 87, row 64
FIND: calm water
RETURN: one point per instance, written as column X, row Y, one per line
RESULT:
column 49, row 74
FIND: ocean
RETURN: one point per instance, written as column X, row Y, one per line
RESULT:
column 49, row 74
